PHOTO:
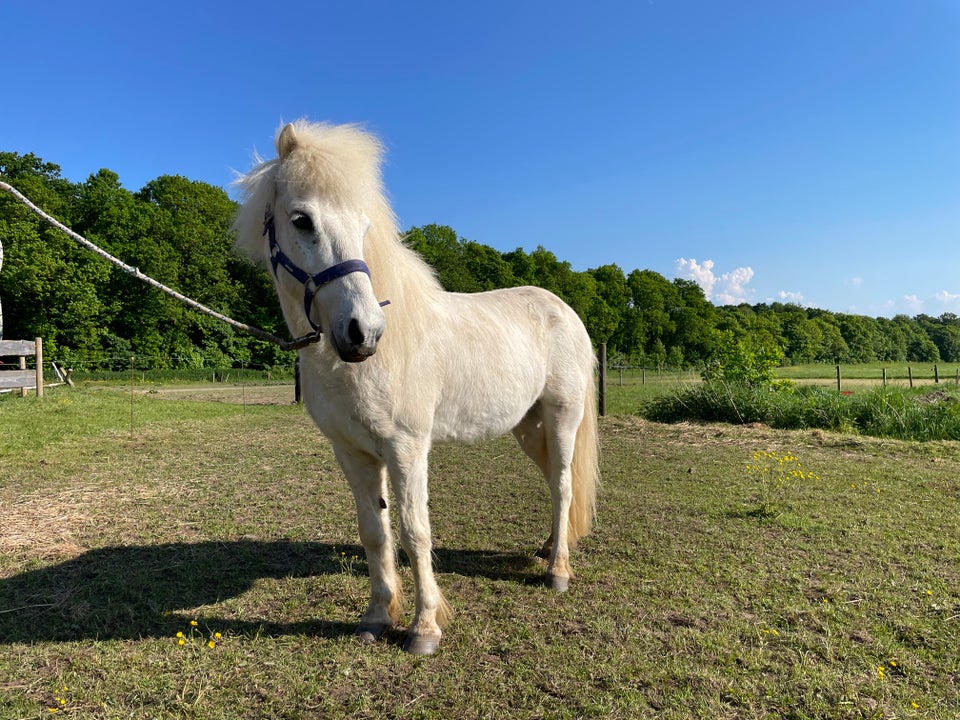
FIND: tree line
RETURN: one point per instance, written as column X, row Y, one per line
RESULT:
column 178, row 231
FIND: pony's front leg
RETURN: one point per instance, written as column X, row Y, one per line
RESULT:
column 367, row 478
column 409, row 477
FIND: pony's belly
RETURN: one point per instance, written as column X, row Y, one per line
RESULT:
column 472, row 425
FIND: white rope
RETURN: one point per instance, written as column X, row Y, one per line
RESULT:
column 129, row 269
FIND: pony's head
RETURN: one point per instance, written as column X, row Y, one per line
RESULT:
column 305, row 217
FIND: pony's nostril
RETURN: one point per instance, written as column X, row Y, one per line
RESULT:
column 355, row 333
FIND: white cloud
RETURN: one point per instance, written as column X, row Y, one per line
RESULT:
column 856, row 281
column 913, row 303
column 730, row 288
column 948, row 298
column 794, row 298
column 702, row 275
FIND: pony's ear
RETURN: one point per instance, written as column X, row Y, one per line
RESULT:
column 287, row 141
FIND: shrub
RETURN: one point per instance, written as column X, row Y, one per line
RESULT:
column 744, row 361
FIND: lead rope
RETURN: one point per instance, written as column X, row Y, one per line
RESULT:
column 294, row 344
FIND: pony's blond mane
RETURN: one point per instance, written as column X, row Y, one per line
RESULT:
column 342, row 162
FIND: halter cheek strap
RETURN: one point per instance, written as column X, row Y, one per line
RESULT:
column 311, row 283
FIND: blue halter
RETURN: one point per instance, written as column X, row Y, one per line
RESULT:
column 311, row 283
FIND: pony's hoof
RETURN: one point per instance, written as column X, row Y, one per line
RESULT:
column 421, row 645
column 370, row 633
column 557, row 582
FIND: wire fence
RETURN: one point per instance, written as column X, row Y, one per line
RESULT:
column 158, row 369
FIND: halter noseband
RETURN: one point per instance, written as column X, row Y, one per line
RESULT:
column 311, row 283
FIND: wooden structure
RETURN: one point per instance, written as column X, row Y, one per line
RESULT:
column 20, row 376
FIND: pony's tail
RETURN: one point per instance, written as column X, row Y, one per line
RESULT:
column 585, row 469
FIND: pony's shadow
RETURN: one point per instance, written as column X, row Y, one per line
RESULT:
column 138, row 591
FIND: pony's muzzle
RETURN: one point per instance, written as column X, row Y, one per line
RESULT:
column 357, row 340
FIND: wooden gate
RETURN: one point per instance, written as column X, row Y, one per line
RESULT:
column 19, row 376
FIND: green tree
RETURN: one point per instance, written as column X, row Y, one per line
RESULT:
column 802, row 336
column 50, row 286
column 612, row 290
column 693, row 319
column 834, row 348
column 487, row 266
column 652, row 297
column 441, row 247
column 920, row 346
column 858, row 332
column 889, row 342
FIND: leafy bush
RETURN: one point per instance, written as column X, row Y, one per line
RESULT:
column 744, row 361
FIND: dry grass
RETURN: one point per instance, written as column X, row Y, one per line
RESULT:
column 48, row 525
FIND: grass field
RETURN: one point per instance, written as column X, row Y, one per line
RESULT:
column 705, row 590
column 897, row 372
column 628, row 389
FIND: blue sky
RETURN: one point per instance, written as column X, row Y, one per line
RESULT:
column 771, row 150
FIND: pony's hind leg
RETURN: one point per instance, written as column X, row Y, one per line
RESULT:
column 367, row 478
column 532, row 437
column 560, row 422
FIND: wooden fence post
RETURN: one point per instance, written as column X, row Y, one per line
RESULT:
column 936, row 374
column 23, row 366
column 838, row 378
column 38, row 353
column 296, row 381
column 910, row 375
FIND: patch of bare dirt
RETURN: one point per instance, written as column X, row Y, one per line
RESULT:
column 218, row 392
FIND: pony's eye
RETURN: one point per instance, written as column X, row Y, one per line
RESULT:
column 302, row 222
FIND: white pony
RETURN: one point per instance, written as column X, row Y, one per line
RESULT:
column 385, row 383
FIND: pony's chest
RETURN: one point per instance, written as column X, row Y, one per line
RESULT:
column 340, row 407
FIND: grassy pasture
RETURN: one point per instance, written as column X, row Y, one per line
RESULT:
column 628, row 389
column 897, row 372
column 689, row 602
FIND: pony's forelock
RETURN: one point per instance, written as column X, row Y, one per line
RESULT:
column 257, row 189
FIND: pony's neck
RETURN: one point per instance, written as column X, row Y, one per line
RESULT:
column 401, row 276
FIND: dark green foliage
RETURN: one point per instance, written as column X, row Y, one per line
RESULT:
column 89, row 313
column 177, row 231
